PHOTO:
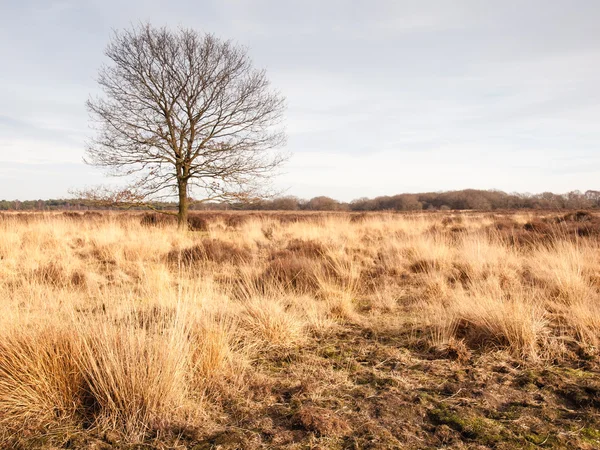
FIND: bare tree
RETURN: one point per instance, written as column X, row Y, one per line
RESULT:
column 184, row 113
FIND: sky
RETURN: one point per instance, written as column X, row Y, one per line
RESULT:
column 383, row 96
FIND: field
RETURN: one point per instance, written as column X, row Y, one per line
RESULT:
column 297, row 331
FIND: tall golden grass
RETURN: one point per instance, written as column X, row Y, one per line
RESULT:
column 108, row 325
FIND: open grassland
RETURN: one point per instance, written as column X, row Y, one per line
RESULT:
column 300, row 331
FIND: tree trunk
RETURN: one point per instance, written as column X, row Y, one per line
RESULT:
column 182, row 215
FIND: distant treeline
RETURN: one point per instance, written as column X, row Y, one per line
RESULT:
column 468, row 199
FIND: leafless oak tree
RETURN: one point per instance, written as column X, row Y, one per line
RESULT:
column 182, row 113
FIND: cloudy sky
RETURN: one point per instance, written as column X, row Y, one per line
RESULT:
column 384, row 96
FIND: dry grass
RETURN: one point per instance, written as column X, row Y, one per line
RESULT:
column 112, row 324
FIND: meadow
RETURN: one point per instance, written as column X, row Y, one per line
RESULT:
column 300, row 330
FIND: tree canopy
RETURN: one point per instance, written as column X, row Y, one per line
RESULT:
column 184, row 112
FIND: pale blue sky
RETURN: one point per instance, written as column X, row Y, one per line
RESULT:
column 383, row 96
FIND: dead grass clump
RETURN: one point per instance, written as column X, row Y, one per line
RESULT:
column 93, row 215
column 188, row 256
column 52, row 274
column 577, row 216
column 456, row 234
column 545, row 230
column 285, row 219
column 578, row 224
column 213, row 250
column 308, row 249
column 588, row 230
column 275, row 324
column 78, row 278
column 219, row 251
column 387, row 261
column 584, row 318
column 463, row 273
column 24, row 218
column 40, row 385
column 151, row 318
column 377, row 276
column 135, row 381
column 434, row 230
column 72, row 215
column 424, row 266
column 158, row 220
column 134, row 376
column 452, row 220
column 217, row 358
column 297, row 273
column 197, row 223
column 434, row 287
column 340, row 303
column 486, row 318
column 538, row 226
column 235, row 221
column 343, row 269
column 358, row 218
column 268, row 232
column 529, row 236
column 289, row 218
column 564, row 270
column 106, row 254
column 505, row 224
